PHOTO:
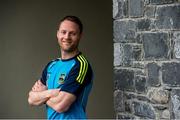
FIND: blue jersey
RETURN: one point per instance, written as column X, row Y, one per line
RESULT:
column 74, row 76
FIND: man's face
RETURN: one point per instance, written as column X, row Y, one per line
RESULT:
column 68, row 36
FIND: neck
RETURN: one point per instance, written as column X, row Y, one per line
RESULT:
column 67, row 55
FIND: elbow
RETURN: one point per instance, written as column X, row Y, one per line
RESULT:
column 31, row 101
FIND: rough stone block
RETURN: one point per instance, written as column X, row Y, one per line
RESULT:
column 124, row 79
column 125, row 117
column 144, row 25
column 128, row 54
column 129, row 95
column 176, row 39
column 160, row 106
column 140, row 72
column 170, row 74
column 159, row 95
column 137, row 52
column 156, row 45
column 128, row 106
column 157, row 2
column 117, row 12
column 150, row 11
column 175, row 104
column 143, row 98
column 124, row 31
column 153, row 74
column 165, row 115
column 118, row 56
column 139, row 38
column 146, row 2
column 144, row 109
column 138, row 64
column 136, row 8
column 140, row 84
column 119, row 101
column 123, row 54
column 168, row 17
column 120, row 9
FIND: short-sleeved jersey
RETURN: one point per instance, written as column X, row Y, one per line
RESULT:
column 74, row 76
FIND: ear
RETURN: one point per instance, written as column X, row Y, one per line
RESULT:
column 81, row 34
column 57, row 34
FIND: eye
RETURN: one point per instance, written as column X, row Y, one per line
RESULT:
column 72, row 33
column 63, row 32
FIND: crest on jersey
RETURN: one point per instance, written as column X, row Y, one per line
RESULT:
column 62, row 78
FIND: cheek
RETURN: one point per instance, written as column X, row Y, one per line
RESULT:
column 59, row 41
column 75, row 41
column 59, row 38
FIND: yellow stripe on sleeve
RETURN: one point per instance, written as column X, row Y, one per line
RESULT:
column 83, row 69
column 81, row 64
column 86, row 68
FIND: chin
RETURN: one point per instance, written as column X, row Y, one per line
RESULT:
column 68, row 50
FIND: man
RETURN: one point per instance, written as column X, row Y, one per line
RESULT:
column 66, row 82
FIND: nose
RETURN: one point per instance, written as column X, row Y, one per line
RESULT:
column 67, row 35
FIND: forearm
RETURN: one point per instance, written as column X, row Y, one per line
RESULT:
column 38, row 97
column 56, row 104
column 62, row 102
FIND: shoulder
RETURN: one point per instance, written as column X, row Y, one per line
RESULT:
column 81, row 60
column 51, row 63
column 83, row 68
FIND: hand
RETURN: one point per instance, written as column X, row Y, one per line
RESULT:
column 38, row 86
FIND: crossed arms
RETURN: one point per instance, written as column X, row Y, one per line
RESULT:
column 60, row 101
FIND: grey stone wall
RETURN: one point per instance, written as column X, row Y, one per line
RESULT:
column 146, row 59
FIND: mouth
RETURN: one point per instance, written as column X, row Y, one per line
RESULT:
column 66, row 42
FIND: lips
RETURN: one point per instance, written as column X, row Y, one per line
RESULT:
column 68, row 43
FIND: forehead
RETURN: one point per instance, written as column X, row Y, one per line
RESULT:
column 68, row 25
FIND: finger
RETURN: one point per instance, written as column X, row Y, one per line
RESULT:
column 33, row 89
column 39, row 82
column 36, row 83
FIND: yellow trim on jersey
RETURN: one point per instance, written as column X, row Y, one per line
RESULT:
column 83, row 68
column 81, row 65
column 86, row 68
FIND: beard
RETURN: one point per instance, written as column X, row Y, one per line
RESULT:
column 69, row 49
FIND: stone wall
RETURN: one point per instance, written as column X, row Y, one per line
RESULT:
column 146, row 59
